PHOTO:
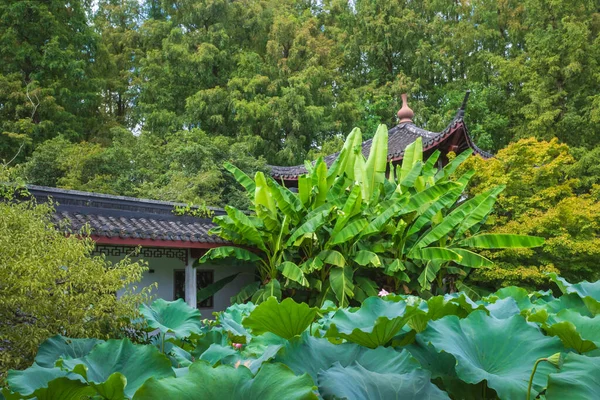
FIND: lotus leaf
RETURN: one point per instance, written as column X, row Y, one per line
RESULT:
column 172, row 317
column 311, row 355
column 578, row 379
column 373, row 325
column 60, row 347
column 272, row 382
column 500, row 351
column 356, row 382
column 136, row 362
column 286, row 319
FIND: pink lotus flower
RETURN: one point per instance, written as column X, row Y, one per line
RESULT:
column 237, row 345
column 383, row 292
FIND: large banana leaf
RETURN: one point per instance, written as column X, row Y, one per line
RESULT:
column 377, row 162
column 501, row 241
column 272, row 382
column 355, row 146
column 288, row 202
column 435, row 254
column 293, row 272
column 352, row 230
column 341, row 282
column 367, row 258
column 263, row 201
column 428, row 195
column 213, row 288
column 241, row 177
column 453, row 165
column 310, row 226
column 332, row 257
column 452, row 220
column 320, row 181
column 499, row 351
column 479, row 213
column 470, row 259
column 351, row 206
column 227, row 252
column 245, row 226
column 413, row 154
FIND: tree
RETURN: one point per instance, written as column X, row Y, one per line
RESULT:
column 544, row 196
column 53, row 285
column 48, row 87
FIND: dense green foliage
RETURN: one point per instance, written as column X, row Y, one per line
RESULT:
column 397, row 346
column 278, row 78
column 350, row 228
column 51, row 284
column 550, row 194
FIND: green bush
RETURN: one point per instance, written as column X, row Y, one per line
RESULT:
column 512, row 344
column 549, row 194
column 51, row 284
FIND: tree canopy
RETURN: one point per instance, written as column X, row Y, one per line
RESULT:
column 128, row 84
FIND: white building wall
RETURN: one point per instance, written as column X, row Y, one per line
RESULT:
column 162, row 264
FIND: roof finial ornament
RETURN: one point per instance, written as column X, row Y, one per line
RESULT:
column 463, row 106
column 405, row 114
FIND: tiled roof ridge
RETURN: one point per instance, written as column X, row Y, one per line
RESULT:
column 108, row 201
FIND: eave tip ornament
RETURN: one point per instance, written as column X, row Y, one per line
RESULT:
column 405, row 114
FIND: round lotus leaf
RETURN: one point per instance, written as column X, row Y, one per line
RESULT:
column 500, row 351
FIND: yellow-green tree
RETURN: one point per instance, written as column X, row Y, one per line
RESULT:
column 543, row 197
column 52, row 285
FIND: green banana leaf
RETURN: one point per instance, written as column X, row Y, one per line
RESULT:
column 310, row 226
column 241, row 177
column 222, row 252
column 412, row 155
column 246, row 227
column 213, row 288
column 341, row 282
column 501, row 241
column 293, row 272
column 349, row 232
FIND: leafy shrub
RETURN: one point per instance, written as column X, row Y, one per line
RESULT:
column 544, row 196
column 51, row 284
column 397, row 346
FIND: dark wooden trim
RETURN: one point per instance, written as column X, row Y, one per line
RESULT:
column 117, row 241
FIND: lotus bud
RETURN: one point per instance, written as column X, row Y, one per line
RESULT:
column 554, row 360
column 237, row 345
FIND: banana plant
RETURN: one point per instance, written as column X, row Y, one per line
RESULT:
column 358, row 222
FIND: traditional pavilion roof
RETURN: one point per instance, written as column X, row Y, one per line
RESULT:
column 128, row 220
column 454, row 138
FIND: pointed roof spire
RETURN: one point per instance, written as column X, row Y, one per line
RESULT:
column 405, row 114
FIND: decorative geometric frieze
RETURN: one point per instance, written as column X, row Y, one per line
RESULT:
column 145, row 252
